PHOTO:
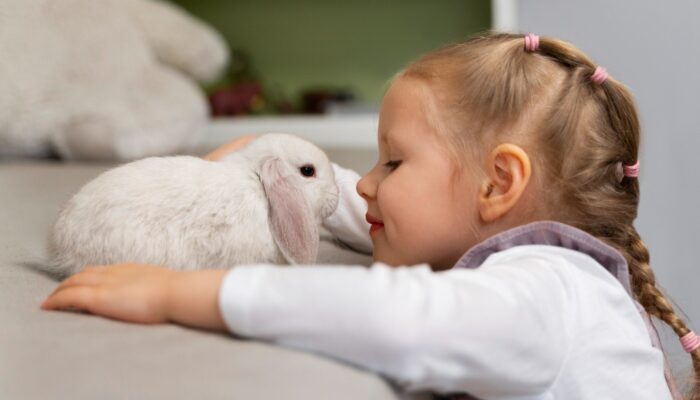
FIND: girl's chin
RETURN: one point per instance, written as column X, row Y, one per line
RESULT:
column 385, row 258
column 383, row 253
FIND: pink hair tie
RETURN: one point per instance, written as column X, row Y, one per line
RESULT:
column 600, row 75
column 631, row 171
column 532, row 42
column 690, row 342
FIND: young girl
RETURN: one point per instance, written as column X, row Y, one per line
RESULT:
column 500, row 216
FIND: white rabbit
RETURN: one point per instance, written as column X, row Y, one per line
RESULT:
column 261, row 204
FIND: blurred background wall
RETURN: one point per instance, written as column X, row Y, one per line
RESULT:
column 652, row 47
column 298, row 45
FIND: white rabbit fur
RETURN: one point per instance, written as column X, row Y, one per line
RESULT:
column 188, row 213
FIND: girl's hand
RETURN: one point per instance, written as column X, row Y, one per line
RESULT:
column 129, row 292
column 146, row 294
column 230, row 147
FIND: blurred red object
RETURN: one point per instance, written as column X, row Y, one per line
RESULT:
column 241, row 99
column 315, row 101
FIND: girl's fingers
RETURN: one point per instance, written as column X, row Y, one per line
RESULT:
column 88, row 277
column 229, row 148
column 79, row 297
column 129, row 292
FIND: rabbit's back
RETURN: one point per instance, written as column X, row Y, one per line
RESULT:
column 182, row 212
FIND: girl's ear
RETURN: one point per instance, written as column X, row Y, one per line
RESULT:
column 291, row 218
column 508, row 173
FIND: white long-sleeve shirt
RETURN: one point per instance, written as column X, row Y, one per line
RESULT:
column 533, row 321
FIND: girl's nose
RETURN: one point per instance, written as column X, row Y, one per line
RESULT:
column 366, row 187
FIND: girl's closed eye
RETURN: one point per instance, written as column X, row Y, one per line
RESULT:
column 392, row 164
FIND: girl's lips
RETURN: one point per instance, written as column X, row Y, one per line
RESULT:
column 375, row 227
column 372, row 220
column 375, row 222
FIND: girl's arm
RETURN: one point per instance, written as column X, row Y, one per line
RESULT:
column 503, row 329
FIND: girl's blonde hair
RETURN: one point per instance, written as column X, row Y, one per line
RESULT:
column 578, row 133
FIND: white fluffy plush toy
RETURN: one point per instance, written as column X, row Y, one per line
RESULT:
column 103, row 79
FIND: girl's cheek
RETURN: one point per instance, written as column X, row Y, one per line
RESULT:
column 384, row 188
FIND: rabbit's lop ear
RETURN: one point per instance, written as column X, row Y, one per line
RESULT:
column 291, row 217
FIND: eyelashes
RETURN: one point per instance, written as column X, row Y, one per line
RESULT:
column 392, row 164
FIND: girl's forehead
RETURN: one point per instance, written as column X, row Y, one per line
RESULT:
column 406, row 93
column 405, row 103
column 407, row 112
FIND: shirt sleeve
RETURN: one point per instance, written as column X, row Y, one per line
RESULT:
column 347, row 223
column 494, row 332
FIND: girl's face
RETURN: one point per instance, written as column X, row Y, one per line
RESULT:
column 423, row 215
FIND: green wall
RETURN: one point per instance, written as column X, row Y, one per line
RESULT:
column 356, row 44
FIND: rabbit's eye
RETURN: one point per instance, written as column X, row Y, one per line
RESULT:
column 308, row 170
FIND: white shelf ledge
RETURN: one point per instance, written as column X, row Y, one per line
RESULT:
column 329, row 131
